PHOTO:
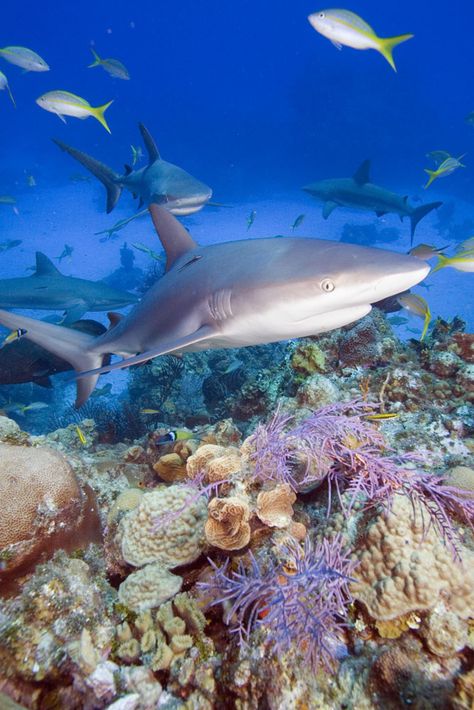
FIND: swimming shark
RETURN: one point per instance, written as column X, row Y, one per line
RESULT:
column 48, row 289
column 232, row 294
column 159, row 182
column 357, row 191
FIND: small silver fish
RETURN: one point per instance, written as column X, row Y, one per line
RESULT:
column 297, row 221
column 24, row 58
column 111, row 66
column 251, row 219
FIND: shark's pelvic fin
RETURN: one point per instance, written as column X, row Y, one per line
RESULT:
column 44, row 266
column 66, row 343
column 362, row 174
column 419, row 212
column 203, row 333
column 106, row 175
column 150, row 145
column 175, row 239
column 328, row 207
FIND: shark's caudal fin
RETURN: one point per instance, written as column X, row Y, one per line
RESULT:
column 150, row 145
column 175, row 239
column 106, row 175
column 420, row 212
column 387, row 45
column 70, row 345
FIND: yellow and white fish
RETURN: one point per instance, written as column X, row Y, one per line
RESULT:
column 426, row 251
column 466, row 245
column 462, row 261
column 418, row 306
column 343, row 27
column 111, row 66
column 4, row 85
column 24, row 58
column 63, row 103
column 447, row 167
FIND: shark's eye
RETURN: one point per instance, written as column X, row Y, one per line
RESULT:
column 327, row 285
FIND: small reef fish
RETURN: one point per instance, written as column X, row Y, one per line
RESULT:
column 24, row 58
column 63, row 103
column 462, row 261
column 30, row 181
column 297, row 222
column 343, row 27
column 175, row 435
column 10, row 244
column 466, row 245
column 148, row 410
column 438, row 156
column 81, row 436
column 7, row 200
column 447, row 167
column 397, row 320
column 418, row 306
column 102, row 391
column 111, row 66
column 381, row 416
column 122, row 223
column 251, row 219
column 13, row 336
column 234, row 365
column 67, row 251
column 147, row 250
column 22, row 409
column 470, row 118
column 5, row 86
column 426, row 251
column 137, row 154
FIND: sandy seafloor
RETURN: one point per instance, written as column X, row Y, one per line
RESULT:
column 46, row 218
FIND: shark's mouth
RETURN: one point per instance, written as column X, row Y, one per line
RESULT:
column 187, row 205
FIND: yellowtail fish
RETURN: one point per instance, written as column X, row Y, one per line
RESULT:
column 24, row 408
column 10, row 244
column 438, row 156
column 426, row 251
column 66, row 252
column 24, row 58
column 63, row 103
column 81, row 436
column 146, row 250
column 297, row 221
column 148, row 410
column 447, row 167
column 418, row 306
column 137, row 154
column 343, row 27
column 462, row 261
column 122, row 223
column 466, row 245
column 7, row 200
column 4, row 86
column 251, row 219
column 381, row 416
column 30, row 180
column 111, row 66
column 13, row 336
column 175, row 435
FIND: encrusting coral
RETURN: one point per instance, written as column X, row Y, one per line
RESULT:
column 275, row 507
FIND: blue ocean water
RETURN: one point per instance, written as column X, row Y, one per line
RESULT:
column 250, row 99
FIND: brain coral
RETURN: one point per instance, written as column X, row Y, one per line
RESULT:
column 42, row 505
column 405, row 566
column 167, row 527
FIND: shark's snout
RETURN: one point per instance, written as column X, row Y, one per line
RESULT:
column 400, row 277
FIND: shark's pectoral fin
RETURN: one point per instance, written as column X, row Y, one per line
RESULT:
column 175, row 239
column 380, row 213
column 328, row 208
column 203, row 333
column 43, row 381
column 75, row 312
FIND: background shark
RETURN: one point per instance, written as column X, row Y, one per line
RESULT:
column 357, row 191
column 233, row 294
column 159, row 182
column 47, row 289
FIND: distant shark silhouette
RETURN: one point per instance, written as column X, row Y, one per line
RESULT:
column 230, row 295
column 159, row 182
column 47, row 289
column 357, row 191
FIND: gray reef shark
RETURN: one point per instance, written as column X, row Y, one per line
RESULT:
column 232, row 294
column 159, row 182
column 357, row 191
column 48, row 289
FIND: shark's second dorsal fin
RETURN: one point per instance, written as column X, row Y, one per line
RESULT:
column 44, row 266
column 362, row 174
column 150, row 145
column 175, row 239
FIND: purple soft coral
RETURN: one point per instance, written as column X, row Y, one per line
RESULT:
column 301, row 603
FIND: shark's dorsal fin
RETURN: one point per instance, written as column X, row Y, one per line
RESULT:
column 362, row 174
column 175, row 239
column 150, row 145
column 44, row 266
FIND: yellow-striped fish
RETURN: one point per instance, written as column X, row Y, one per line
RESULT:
column 13, row 336
column 81, row 436
column 63, row 103
column 418, row 306
column 381, row 416
column 462, row 261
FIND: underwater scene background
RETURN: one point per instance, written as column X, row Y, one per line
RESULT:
column 285, row 525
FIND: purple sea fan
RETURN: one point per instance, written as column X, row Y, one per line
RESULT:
column 272, row 451
column 301, row 603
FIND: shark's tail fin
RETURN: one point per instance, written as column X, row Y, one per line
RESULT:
column 387, row 45
column 106, row 175
column 420, row 212
column 68, row 344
